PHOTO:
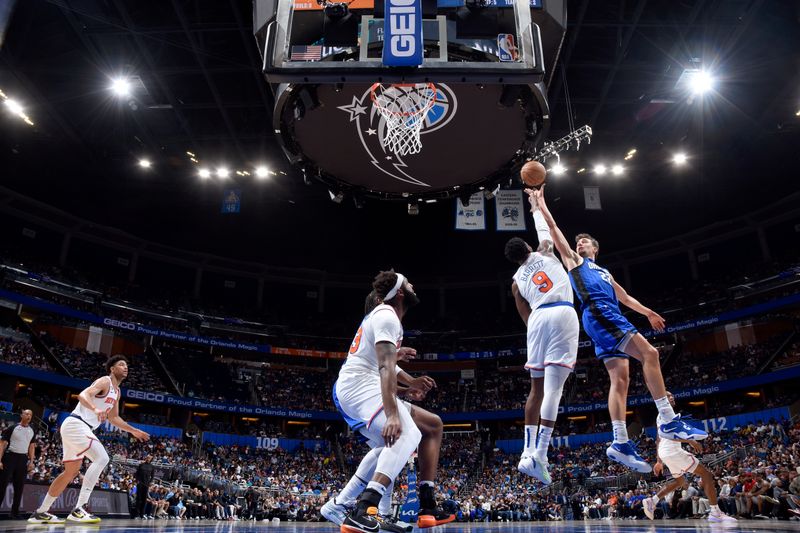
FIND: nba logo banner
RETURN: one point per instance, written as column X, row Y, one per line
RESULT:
column 506, row 49
column 402, row 45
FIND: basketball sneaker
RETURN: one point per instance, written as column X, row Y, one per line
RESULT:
column 44, row 518
column 649, row 506
column 364, row 518
column 431, row 514
column 627, row 455
column 389, row 524
column 79, row 514
column 530, row 466
column 679, row 429
column 334, row 512
column 721, row 518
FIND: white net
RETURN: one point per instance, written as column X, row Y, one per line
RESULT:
column 404, row 108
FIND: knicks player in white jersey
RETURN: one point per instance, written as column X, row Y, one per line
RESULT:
column 96, row 404
column 543, row 297
column 367, row 394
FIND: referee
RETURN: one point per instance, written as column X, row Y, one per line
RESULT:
column 16, row 458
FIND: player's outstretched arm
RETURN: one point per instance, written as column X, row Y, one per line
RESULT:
column 117, row 421
column 568, row 256
column 523, row 307
column 386, row 353
column 656, row 321
column 542, row 230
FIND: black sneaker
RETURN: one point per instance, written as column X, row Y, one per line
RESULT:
column 431, row 514
column 364, row 518
column 392, row 525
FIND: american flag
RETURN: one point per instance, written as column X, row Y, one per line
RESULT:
column 306, row 53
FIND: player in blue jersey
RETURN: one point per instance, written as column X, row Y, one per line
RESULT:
column 616, row 340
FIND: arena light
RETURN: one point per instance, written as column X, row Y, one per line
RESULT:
column 223, row 173
column 700, row 82
column 121, row 87
column 798, row 113
column 145, row 163
column 680, row 159
column 262, row 172
column 617, row 170
column 581, row 170
column 204, row 173
column 600, row 170
column 16, row 109
column 558, row 168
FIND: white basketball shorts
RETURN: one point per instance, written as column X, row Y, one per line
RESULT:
column 78, row 440
column 361, row 400
column 679, row 462
column 552, row 339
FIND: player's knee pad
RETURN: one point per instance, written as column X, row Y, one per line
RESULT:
column 554, row 379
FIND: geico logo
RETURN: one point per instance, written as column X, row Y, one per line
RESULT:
column 141, row 395
column 117, row 324
column 402, row 24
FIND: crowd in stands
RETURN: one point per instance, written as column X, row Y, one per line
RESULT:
column 19, row 352
column 757, row 468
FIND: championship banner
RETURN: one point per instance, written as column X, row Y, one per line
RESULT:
column 473, row 216
column 231, row 201
column 402, row 27
column 591, row 198
column 510, row 210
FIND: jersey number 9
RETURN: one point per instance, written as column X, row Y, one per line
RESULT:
column 541, row 280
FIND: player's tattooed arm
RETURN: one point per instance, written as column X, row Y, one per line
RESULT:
column 386, row 353
column 523, row 308
column 569, row 257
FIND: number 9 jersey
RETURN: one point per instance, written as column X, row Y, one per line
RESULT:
column 542, row 280
column 553, row 327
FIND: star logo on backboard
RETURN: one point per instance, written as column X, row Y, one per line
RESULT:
column 355, row 109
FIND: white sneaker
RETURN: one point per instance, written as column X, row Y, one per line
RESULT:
column 45, row 518
column 334, row 512
column 649, row 505
column 530, row 466
column 721, row 518
column 79, row 514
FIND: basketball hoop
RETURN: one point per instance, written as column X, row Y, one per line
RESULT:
column 404, row 107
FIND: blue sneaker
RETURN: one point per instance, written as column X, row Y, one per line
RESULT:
column 679, row 429
column 627, row 455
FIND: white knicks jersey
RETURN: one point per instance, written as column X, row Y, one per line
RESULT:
column 381, row 325
column 103, row 403
column 543, row 280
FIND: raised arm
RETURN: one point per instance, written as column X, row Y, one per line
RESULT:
column 569, row 257
column 656, row 321
column 523, row 307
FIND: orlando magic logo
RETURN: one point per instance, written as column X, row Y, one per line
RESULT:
column 372, row 127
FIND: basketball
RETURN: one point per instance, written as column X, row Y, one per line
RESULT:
column 533, row 174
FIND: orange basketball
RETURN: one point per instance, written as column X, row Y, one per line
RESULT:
column 533, row 174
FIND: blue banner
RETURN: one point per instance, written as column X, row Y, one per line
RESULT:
column 712, row 425
column 264, row 443
column 283, row 412
column 231, row 201
column 402, row 27
column 132, row 327
column 410, row 509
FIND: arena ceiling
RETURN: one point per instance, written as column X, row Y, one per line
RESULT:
column 197, row 85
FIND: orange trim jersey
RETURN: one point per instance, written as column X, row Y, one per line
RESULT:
column 542, row 280
column 102, row 403
column 381, row 325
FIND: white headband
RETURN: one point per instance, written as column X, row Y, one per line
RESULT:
column 399, row 283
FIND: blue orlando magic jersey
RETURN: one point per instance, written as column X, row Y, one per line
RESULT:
column 592, row 284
